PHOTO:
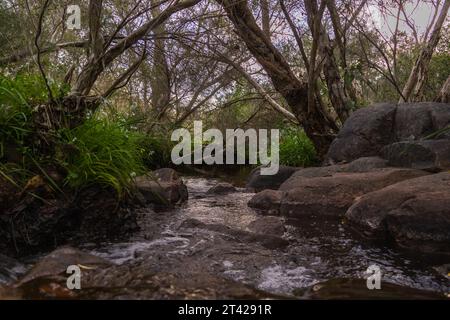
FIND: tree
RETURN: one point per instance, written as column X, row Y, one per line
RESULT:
column 315, row 120
column 419, row 72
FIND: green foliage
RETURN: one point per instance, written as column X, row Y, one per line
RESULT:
column 244, row 109
column 101, row 152
column 296, row 149
column 18, row 95
column 14, row 114
column 10, row 28
column 155, row 145
column 439, row 69
column 104, row 150
column 156, row 150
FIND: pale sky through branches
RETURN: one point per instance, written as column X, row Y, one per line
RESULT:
column 420, row 13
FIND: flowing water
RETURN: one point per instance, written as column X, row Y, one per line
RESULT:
column 209, row 233
column 316, row 251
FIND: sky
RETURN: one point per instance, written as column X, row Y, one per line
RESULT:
column 421, row 12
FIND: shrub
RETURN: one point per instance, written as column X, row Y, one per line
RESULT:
column 296, row 149
column 157, row 150
column 14, row 115
column 104, row 150
column 101, row 152
column 18, row 95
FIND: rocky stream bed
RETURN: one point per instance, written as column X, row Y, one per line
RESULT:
column 214, row 238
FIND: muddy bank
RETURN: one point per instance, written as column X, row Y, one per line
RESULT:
column 33, row 224
column 37, row 220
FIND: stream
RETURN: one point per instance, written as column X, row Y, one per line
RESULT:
column 315, row 253
column 210, row 233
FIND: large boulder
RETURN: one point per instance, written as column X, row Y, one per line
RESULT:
column 431, row 155
column 415, row 213
column 258, row 182
column 369, row 129
column 364, row 164
column 414, row 121
column 162, row 187
column 331, row 196
column 364, row 133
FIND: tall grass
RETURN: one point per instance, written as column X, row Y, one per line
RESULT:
column 14, row 115
column 296, row 149
column 101, row 152
column 18, row 95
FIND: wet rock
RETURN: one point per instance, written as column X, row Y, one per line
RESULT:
column 268, row 201
column 56, row 263
column 430, row 155
column 268, row 225
column 364, row 133
column 342, row 289
column 266, row 240
column 332, row 196
column 162, row 187
column 101, row 279
column 222, row 188
column 137, row 283
column 258, row 182
column 415, row 213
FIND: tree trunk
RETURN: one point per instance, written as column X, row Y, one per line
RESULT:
column 444, row 94
column 315, row 121
column 336, row 91
column 419, row 73
column 160, row 81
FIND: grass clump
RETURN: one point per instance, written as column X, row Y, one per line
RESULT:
column 101, row 152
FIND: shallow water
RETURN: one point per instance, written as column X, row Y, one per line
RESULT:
column 317, row 251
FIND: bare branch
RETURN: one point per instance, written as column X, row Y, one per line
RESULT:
column 36, row 42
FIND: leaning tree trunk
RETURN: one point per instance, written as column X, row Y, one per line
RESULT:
column 315, row 121
column 160, row 81
column 419, row 73
column 335, row 85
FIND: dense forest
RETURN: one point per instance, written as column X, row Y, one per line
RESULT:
column 92, row 90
